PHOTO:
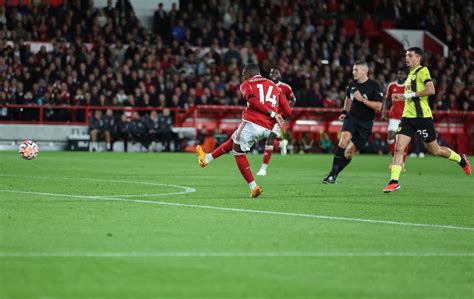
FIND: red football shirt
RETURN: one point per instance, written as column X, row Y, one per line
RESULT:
column 286, row 89
column 396, row 110
column 263, row 97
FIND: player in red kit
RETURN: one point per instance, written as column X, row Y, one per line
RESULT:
column 396, row 110
column 264, row 101
column 275, row 138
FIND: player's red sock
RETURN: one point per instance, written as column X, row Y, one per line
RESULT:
column 244, row 167
column 267, row 154
column 223, row 148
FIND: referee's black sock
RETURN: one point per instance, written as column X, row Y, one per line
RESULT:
column 345, row 162
column 338, row 161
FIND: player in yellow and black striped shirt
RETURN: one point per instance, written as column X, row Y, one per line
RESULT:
column 417, row 118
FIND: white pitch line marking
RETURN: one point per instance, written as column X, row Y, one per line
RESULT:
column 228, row 254
column 175, row 204
column 186, row 190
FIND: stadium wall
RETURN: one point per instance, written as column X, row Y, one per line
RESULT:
column 418, row 38
column 48, row 137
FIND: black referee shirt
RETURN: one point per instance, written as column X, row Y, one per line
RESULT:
column 371, row 91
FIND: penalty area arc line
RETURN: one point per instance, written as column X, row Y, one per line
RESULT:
column 185, row 189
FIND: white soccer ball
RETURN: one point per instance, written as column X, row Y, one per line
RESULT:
column 28, row 150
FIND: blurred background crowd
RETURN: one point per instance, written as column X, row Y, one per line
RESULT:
column 193, row 55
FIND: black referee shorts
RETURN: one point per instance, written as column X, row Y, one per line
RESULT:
column 360, row 130
column 424, row 127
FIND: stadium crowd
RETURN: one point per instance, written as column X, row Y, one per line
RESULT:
column 193, row 55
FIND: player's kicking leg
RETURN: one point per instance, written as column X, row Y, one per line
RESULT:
column 441, row 151
column 204, row 159
column 244, row 167
column 241, row 142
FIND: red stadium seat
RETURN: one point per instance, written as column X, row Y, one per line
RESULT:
column 387, row 24
column 332, row 6
column 370, row 29
column 349, row 27
column 55, row 3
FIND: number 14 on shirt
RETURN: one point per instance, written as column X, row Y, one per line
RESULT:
column 269, row 97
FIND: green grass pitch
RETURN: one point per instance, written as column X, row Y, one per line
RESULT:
column 117, row 225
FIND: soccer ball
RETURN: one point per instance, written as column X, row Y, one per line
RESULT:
column 28, row 150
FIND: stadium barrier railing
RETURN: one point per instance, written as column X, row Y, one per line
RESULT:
column 454, row 127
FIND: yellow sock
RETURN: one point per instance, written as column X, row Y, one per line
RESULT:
column 454, row 156
column 396, row 169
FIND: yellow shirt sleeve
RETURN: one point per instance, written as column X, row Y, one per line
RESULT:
column 424, row 75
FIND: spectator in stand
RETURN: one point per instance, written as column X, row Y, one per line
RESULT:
column 465, row 106
column 121, row 96
column 378, row 145
column 138, row 130
column 325, row 143
column 215, row 42
column 160, row 24
column 471, row 102
column 332, row 99
column 110, row 129
column 4, row 111
column 219, row 136
column 306, row 144
column 165, row 129
column 96, row 129
column 152, row 124
column 315, row 98
column 123, row 130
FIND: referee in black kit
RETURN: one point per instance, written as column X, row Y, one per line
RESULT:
column 363, row 97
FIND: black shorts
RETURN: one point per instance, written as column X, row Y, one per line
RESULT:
column 424, row 127
column 360, row 130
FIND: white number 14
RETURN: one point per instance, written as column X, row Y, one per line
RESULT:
column 269, row 97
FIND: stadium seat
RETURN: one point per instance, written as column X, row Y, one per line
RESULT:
column 349, row 26
column 370, row 29
column 387, row 24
